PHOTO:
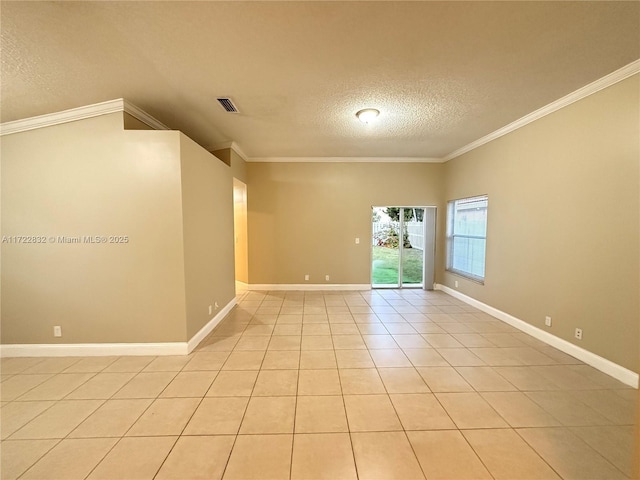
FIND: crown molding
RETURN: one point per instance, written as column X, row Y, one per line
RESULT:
column 80, row 113
column 345, row 160
column 600, row 84
column 236, row 148
column 233, row 146
column 143, row 116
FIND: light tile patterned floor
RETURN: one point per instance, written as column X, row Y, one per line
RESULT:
column 386, row 384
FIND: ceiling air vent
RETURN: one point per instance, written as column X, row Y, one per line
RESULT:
column 227, row 104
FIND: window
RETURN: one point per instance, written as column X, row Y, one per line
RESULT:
column 467, row 236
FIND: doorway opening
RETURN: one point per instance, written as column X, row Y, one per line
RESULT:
column 240, row 234
column 402, row 247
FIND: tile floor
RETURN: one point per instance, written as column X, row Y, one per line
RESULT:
column 383, row 384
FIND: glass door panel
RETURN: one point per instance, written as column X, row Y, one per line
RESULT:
column 413, row 245
column 385, row 258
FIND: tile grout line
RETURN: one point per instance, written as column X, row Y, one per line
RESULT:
column 538, row 453
column 246, row 408
column 59, row 440
column 244, row 413
column 179, row 436
column 188, row 420
column 476, row 453
column 554, row 363
column 123, row 436
column 349, row 432
column 395, row 411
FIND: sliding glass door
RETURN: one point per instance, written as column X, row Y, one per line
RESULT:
column 399, row 243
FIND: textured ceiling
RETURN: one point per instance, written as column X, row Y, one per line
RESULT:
column 443, row 74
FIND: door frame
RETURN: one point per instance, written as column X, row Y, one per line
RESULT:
column 428, row 261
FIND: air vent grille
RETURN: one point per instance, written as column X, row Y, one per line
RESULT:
column 227, row 104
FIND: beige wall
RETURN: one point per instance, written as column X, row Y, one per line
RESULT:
column 563, row 223
column 170, row 197
column 91, row 177
column 304, row 217
column 238, row 166
column 132, row 123
column 224, row 155
column 235, row 161
column 207, row 211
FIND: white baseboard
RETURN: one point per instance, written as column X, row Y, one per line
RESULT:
column 618, row 372
column 208, row 328
column 92, row 349
column 310, row 286
column 114, row 349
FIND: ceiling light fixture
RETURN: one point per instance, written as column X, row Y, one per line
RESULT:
column 367, row 115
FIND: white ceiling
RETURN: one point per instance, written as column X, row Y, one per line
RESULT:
column 443, row 74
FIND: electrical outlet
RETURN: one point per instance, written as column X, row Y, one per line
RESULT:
column 357, row 240
column 547, row 321
column 579, row 333
column 455, row 283
column 306, row 277
column 57, row 331
column 210, row 310
column 326, row 277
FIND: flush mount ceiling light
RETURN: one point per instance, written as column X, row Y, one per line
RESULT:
column 367, row 115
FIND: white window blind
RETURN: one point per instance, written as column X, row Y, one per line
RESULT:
column 467, row 236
